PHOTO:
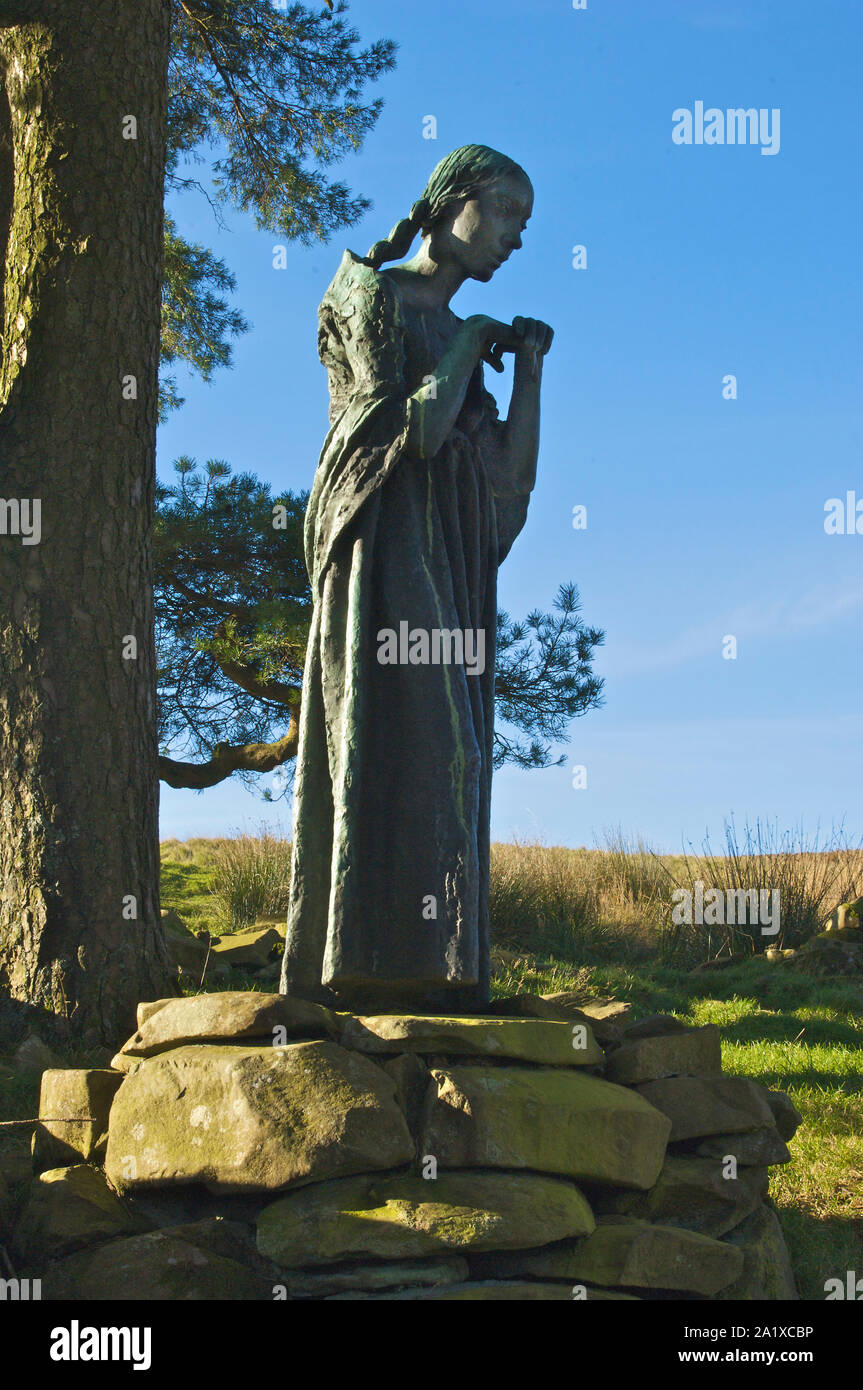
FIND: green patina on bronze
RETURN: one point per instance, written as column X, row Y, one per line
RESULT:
column 419, row 494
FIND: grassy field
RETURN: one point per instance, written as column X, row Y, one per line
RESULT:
column 187, row 882
column 597, row 921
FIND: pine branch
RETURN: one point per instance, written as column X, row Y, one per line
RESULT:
column 248, row 757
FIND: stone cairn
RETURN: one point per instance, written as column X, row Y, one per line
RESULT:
column 249, row 1146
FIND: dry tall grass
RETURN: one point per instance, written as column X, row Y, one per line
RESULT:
column 251, row 878
column 569, row 903
column 810, row 878
column 615, row 903
column 611, row 903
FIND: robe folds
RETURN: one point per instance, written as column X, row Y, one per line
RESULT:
column 389, row 891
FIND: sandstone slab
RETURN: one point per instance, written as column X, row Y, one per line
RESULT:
column 406, row 1217
column 208, row 1261
column 186, row 951
column 654, row 1026
column 527, row 1006
column 245, row 1119
column 227, row 1016
column 148, row 1007
column 65, row 1209
column 767, row 1275
column 607, row 1017
column 549, row 1120
column 373, row 1278
column 74, row 1106
column 246, row 948
column 699, row 1106
column 623, row 1253
column 544, row 1041
column 692, row 1193
column 173, row 924
column 786, row 1116
column 697, row 1052
column 33, row 1057
column 124, row 1062
column 761, row 1147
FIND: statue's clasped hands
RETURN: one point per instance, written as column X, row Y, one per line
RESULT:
column 529, row 339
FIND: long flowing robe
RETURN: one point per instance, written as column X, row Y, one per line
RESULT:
column 389, row 893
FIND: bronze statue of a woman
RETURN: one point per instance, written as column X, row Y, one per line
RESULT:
column 418, row 496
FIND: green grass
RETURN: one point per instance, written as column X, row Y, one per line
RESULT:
column 187, row 888
column 593, row 921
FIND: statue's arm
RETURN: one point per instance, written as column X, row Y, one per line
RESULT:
column 435, row 407
column 361, row 328
column 510, row 448
column 519, row 447
column 361, row 340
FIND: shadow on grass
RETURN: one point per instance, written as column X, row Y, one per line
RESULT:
column 821, row 1248
column 790, row 1028
column 851, row 1082
column 243, row 981
column 662, row 986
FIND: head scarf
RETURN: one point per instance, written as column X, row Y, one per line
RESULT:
column 459, row 175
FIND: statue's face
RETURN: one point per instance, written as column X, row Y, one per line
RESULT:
column 487, row 228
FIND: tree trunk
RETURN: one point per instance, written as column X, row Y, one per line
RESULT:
column 80, row 932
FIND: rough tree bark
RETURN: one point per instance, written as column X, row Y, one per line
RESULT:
column 81, row 250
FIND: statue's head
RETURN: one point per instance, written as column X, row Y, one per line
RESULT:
column 474, row 209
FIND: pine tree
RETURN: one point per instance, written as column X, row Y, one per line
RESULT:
column 100, row 104
column 82, row 174
column 277, row 94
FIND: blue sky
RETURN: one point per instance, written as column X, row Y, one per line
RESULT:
column 705, row 515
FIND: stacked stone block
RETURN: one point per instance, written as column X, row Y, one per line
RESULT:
column 260, row 1147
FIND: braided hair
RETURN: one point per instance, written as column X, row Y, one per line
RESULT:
column 460, row 174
